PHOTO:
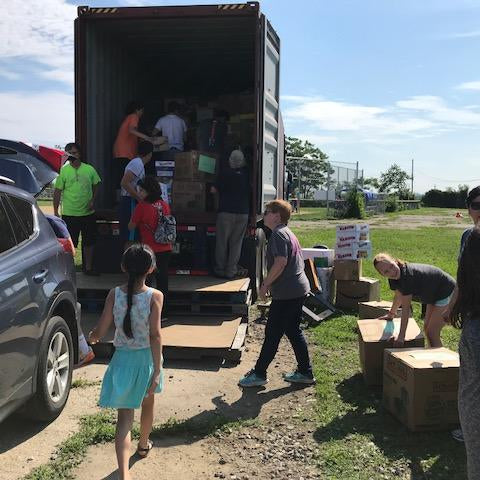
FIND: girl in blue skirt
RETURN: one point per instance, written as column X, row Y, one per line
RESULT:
column 135, row 371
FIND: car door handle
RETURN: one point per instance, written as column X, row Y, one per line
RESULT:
column 40, row 276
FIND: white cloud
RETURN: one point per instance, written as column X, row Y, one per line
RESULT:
column 436, row 109
column 369, row 121
column 39, row 31
column 469, row 86
column 45, row 118
column 415, row 118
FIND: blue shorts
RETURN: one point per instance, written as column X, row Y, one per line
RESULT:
column 444, row 302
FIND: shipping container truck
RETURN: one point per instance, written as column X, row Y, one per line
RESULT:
column 226, row 55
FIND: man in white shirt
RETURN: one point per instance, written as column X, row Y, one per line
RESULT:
column 134, row 172
column 172, row 127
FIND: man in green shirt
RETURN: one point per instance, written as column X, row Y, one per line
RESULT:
column 76, row 186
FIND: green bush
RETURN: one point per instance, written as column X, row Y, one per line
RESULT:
column 355, row 205
column 391, row 204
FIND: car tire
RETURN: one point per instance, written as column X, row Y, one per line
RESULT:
column 54, row 373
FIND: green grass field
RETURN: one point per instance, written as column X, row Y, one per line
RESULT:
column 357, row 438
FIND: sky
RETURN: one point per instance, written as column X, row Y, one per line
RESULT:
column 374, row 81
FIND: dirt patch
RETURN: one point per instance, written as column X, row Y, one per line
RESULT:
column 400, row 222
column 278, row 445
column 25, row 445
column 273, row 436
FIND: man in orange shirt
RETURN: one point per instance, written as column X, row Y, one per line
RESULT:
column 126, row 143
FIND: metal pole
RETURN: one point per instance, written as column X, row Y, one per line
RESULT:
column 299, row 182
column 412, row 176
column 356, row 175
column 328, row 188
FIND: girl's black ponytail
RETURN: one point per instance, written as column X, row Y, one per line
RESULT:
column 127, row 321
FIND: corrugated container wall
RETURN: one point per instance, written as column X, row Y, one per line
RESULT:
column 110, row 84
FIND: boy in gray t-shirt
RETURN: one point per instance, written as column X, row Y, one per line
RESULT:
column 288, row 284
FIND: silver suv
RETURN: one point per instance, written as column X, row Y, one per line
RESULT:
column 39, row 314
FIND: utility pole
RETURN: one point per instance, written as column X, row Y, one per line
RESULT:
column 412, row 176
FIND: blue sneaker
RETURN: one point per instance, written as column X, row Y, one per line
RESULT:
column 297, row 377
column 251, row 379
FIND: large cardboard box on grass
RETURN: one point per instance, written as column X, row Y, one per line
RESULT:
column 351, row 292
column 188, row 196
column 347, row 269
column 195, row 166
column 420, row 387
column 374, row 336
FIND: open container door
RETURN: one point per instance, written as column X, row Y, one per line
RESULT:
column 268, row 101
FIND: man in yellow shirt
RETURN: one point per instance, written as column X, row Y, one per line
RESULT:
column 76, row 187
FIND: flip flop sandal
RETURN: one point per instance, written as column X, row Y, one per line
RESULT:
column 143, row 452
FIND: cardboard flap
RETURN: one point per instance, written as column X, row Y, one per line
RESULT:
column 381, row 330
column 428, row 357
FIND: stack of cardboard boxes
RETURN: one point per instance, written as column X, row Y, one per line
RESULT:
column 193, row 174
column 352, row 244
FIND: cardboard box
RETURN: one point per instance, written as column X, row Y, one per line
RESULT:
column 374, row 336
column 420, row 387
column 188, row 196
column 359, row 230
column 347, row 269
column 353, row 250
column 322, row 257
column 188, row 166
column 164, row 168
column 350, row 293
column 356, row 236
column 374, row 309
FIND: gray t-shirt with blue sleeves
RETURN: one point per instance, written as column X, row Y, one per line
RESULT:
column 292, row 282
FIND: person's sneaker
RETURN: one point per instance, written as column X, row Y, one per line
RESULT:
column 86, row 359
column 251, row 379
column 458, row 435
column 297, row 377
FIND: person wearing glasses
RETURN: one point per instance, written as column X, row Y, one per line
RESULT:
column 473, row 205
column 288, row 285
column 75, row 189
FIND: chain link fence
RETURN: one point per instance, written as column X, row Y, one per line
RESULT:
column 340, row 178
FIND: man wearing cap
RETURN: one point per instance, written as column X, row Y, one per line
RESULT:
column 233, row 188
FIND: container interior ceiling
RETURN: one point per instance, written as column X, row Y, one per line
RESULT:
column 157, row 58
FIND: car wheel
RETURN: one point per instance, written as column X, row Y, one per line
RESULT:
column 54, row 375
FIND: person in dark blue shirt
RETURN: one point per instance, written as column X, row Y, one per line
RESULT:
column 233, row 188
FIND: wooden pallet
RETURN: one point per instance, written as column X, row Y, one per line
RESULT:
column 176, row 307
column 188, row 337
column 186, row 289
